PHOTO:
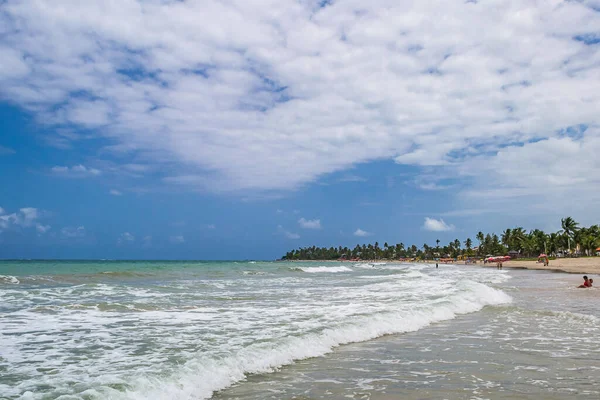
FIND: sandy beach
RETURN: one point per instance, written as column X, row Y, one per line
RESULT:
column 588, row 265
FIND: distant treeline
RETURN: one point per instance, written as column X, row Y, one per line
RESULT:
column 569, row 240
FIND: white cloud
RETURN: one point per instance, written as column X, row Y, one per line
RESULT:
column 28, row 216
column 115, row 192
column 310, row 223
column 41, row 229
column 177, row 239
column 436, row 225
column 329, row 87
column 287, row 234
column 125, row 238
column 352, row 178
column 72, row 232
column 76, row 171
column 25, row 218
column 360, row 233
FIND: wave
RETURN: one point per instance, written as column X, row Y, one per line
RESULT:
column 321, row 269
column 201, row 377
column 9, row 279
column 123, row 274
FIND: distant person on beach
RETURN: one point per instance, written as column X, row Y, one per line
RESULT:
column 436, row 265
column 591, row 282
column 586, row 282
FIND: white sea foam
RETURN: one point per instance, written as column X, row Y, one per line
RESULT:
column 9, row 279
column 187, row 338
column 321, row 269
column 201, row 377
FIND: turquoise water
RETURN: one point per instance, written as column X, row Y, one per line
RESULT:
column 253, row 330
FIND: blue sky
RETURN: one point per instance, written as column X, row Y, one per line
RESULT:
column 230, row 130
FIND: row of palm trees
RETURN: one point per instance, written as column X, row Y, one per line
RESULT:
column 571, row 239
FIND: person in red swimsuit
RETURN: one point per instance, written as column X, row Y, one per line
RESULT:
column 586, row 283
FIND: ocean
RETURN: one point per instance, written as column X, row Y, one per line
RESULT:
column 280, row 330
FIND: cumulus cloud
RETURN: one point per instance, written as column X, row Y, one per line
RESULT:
column 286, row 233
column 25, row 218
column 76, row 171
column 115, row 192
column 309, row 223
column 41, row 229
column 329, row 87
column 177, row 239
column 360, row 233
column 436, row 225
column 126, row 237
column 73, row 232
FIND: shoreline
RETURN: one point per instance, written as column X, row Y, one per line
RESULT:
column 586, row 265
column 565, row 265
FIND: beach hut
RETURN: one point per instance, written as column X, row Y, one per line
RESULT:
column 513, row 254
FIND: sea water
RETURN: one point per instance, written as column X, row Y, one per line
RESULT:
column 255, row 330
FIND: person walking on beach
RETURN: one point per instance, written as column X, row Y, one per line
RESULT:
column 586, row 282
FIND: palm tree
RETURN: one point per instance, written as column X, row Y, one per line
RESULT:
column 468, row 245
column 507, row 237
column 517, row 236
column 589, row 244
column 569, row 227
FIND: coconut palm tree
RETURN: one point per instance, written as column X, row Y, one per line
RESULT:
column 589, row 243
column 518, row 236
column 507, row 237
column 569, row 227
column 480, row 238
column 468, row 245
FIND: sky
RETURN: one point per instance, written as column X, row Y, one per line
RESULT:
column 236, row 129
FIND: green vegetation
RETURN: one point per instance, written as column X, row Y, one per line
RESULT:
column 571, row 240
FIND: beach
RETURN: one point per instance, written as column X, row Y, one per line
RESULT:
column 276, row 330
column 583, row 265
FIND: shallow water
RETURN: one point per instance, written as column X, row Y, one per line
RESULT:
column 249, row 330
column 544, row 345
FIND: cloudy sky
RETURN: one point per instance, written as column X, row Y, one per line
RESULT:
column 244, row 128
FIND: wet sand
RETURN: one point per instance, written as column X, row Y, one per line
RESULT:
column 587, row 265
